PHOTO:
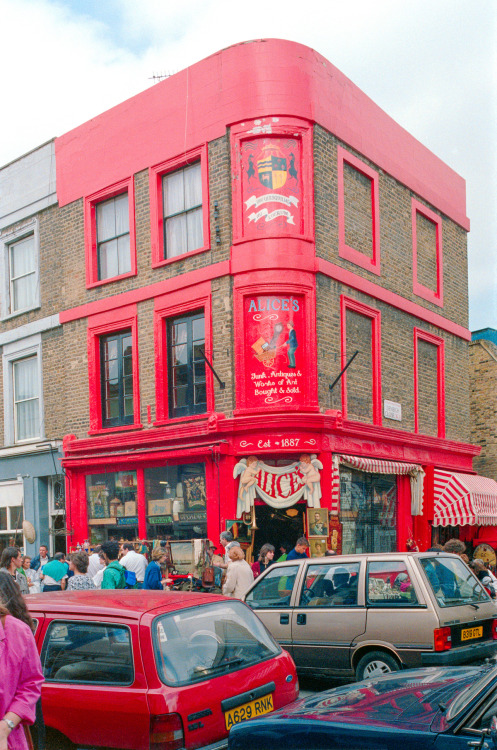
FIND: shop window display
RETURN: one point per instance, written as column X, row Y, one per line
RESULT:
column 112, row 506
column 176, row 502
column 368, row 512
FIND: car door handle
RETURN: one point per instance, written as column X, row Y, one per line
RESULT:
column 301, row 619
column 284, row 619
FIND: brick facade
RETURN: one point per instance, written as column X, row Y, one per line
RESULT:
column 483, row 388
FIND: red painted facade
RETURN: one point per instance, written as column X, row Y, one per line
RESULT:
column 268, row 96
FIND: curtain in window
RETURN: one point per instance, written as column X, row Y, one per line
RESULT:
column 26, row 399
column 182, row 199
column 22, row 274
column 113, row 236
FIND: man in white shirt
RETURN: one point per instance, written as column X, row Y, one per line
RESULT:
column 95, row 563
column 134, row 562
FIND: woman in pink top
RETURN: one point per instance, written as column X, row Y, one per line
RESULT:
column 20, row 686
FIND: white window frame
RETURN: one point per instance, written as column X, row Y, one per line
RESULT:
column 53, row 513
column 12, row 353
column 8, row 238
column 7, row 490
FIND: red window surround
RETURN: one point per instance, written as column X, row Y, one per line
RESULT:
column 156, row 174
column 418, row 289
column 174, row 305
column 346, row 303
column 349, row 253
column 420, row 335
column 102, row 325
column 90, row 230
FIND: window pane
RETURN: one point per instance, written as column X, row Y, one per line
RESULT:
column 176, row 242
column 179, row 333
column 22, row 257
column 124, row 257
column 106, row 220
column 180, row 396
column 180, row 375
column 27, row 420
column 23, row 292
column 3, row 519
column 16, row 517
column 193, row 186
column 174, row 193
column 110, row 347
column 128, row 406
column 86, row 652
column 200, row 394
column 333, row 585
column 198, row 327
column 275, row 589
column 389, row 583
column 108, row 259
column 26, row 378
column 122, row 214
column 195, row 229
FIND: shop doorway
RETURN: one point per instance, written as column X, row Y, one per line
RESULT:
column 277, row 526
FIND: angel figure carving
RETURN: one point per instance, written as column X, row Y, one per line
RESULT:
column 248, row 468
column 309, row 467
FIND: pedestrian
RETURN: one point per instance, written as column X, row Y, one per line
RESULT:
column 300, row 550
column 239, row 574
column 227, row 541
column 95, row 562
column 134, row 562
column 11, row 562
column 480, row 571
column 99, row 575
column 455, row 547
column 284, row 549
column 11, row 597
column 41, row 559
column 32, row 575
column 266, row 557
column 54, row 573
column 81, row 580
column 153, row 574
column 22, row 674
column 114, row 577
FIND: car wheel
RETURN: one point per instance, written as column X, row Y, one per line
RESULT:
column 375, row 664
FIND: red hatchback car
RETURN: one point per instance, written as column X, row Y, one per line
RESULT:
column 154, row 671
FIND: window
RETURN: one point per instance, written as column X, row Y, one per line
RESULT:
column 187, row 385
column 110, row 234
column 116, row 361
column 11, row 514
column 23, row 415
column 333, row 585
column 389, row 584
column 368, row 512
column 427, row 259
column 429, row 384
column 176, row 502
column 182, row 206
column 179, row 201
column 112, row 501
column 275, row 589
column 20, row 270
column 358, row 212
column 112, row 217
column 86, row 652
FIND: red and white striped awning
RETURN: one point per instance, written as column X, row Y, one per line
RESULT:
column 377, row 466
column 464, row 500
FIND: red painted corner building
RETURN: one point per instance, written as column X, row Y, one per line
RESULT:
column 266, row 295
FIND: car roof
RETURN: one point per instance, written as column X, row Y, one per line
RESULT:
column 342, row 559
column 131, row 604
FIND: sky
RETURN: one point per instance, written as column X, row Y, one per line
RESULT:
column 430, row 64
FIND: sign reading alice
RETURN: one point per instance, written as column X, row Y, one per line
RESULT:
column 275, row 350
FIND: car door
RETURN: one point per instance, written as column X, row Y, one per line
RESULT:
column 271, row 597
column 327, row 617
column 95, row 689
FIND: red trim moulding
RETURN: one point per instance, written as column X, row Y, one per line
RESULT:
column 156, row 173
column 169, row 306
column 420, row 335
column 90, row 231
column 346, row 303
column 102, row 325
column 390, row 298
column 345, row 251
column 436, row 297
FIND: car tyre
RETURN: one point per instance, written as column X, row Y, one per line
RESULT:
column 376, row 664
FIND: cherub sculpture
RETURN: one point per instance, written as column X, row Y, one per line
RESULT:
column 309, row 467
column 248, row 468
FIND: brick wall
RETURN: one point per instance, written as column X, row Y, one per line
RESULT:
column 483, row 389
column 426, row 252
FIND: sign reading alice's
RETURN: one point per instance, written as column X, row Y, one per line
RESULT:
column 262, row 304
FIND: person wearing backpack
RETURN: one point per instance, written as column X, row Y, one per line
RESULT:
column 135, row 563
column 114, row 574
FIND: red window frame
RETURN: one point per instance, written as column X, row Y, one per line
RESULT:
column 419, row 289
column 345, row 251
column 125, row 318
column 156, row 174
column 420, row 335
column 346, row 303
column 90, row 231
column 170, row 306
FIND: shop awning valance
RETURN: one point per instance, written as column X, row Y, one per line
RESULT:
column 378, row 466
column 464, row 500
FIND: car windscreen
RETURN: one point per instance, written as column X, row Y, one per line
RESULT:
column 197, row 644
column 452, row 581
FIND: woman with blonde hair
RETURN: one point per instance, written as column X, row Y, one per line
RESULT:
column 239, row 574
column 153, row 574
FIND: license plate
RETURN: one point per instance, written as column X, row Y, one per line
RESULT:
column 470, row 633
column 250, row 710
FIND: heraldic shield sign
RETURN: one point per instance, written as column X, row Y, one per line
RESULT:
column 271, row 186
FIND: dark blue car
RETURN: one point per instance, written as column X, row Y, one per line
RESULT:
column 442, row 708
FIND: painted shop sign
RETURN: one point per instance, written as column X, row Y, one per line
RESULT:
column 276, row 350
column 271, row 186
column 278, row 441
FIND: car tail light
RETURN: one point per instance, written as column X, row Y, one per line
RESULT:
column 442, row 639
column 166, row 732
column 494, row 629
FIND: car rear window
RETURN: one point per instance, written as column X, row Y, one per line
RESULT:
column 203, row 642
column 88, row 653
column 452, row 581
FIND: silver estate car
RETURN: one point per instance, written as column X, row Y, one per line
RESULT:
column 370, row 614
